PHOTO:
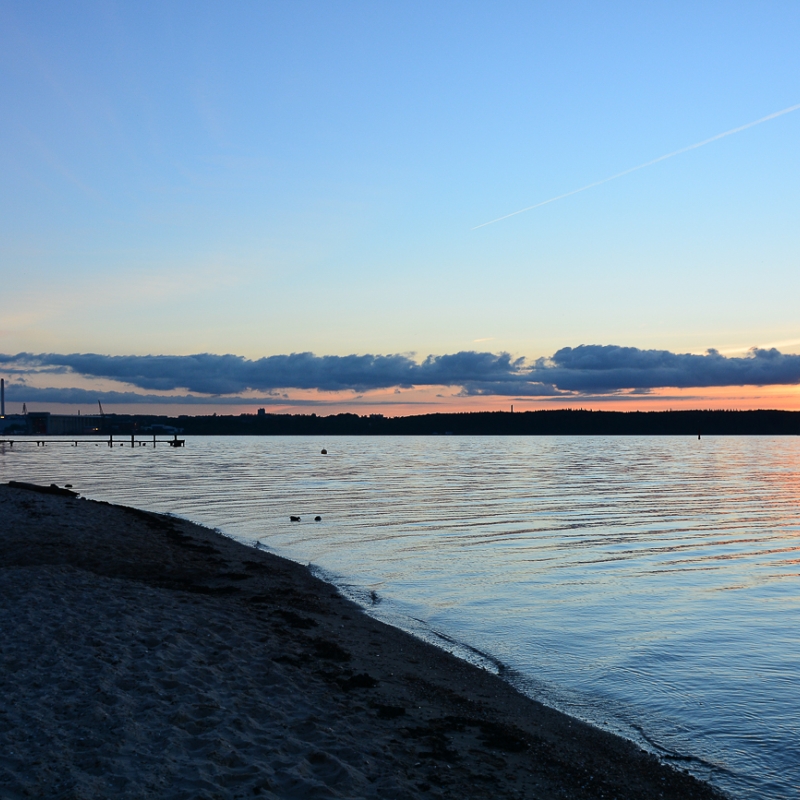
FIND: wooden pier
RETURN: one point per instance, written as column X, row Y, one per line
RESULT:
column 122, row 441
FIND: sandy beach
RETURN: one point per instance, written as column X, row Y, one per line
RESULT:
column 144, row 656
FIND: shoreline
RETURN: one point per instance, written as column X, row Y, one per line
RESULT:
column 147, row 656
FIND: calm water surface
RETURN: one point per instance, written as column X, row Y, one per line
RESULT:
column 649, row 585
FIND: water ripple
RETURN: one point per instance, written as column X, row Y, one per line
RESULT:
column 649, row 585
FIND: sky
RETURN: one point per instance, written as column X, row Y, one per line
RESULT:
column 212, row 207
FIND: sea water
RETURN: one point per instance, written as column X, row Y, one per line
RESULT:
column 650, row 585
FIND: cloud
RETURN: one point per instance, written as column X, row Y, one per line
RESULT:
column 609, row 368
column 520, row 389
column 21, row 393
column 229, row 374
column 587, row 369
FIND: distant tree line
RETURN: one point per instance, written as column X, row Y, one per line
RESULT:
column 482, row 423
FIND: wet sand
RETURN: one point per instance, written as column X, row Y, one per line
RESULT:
column 143, row 656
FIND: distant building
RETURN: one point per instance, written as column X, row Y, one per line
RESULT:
column 43, row 422
column 13, row 423
column 262, row 412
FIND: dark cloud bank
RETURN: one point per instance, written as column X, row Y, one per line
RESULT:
column 588, row 369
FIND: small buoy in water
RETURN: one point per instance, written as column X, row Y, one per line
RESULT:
column 324, row 452
column 318, row 518
column 294, row 519
column 67, row 485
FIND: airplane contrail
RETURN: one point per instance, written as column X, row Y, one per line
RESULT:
column 642, row 166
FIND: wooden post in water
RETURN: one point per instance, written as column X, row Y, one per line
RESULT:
column 154, row 440
column 110, row 439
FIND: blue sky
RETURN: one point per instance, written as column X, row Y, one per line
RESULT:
column 263, row 179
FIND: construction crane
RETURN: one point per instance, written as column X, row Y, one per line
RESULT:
column 101, row 408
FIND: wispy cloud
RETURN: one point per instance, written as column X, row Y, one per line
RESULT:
column 21, row 393
column 642, row 166
column 783, row 343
